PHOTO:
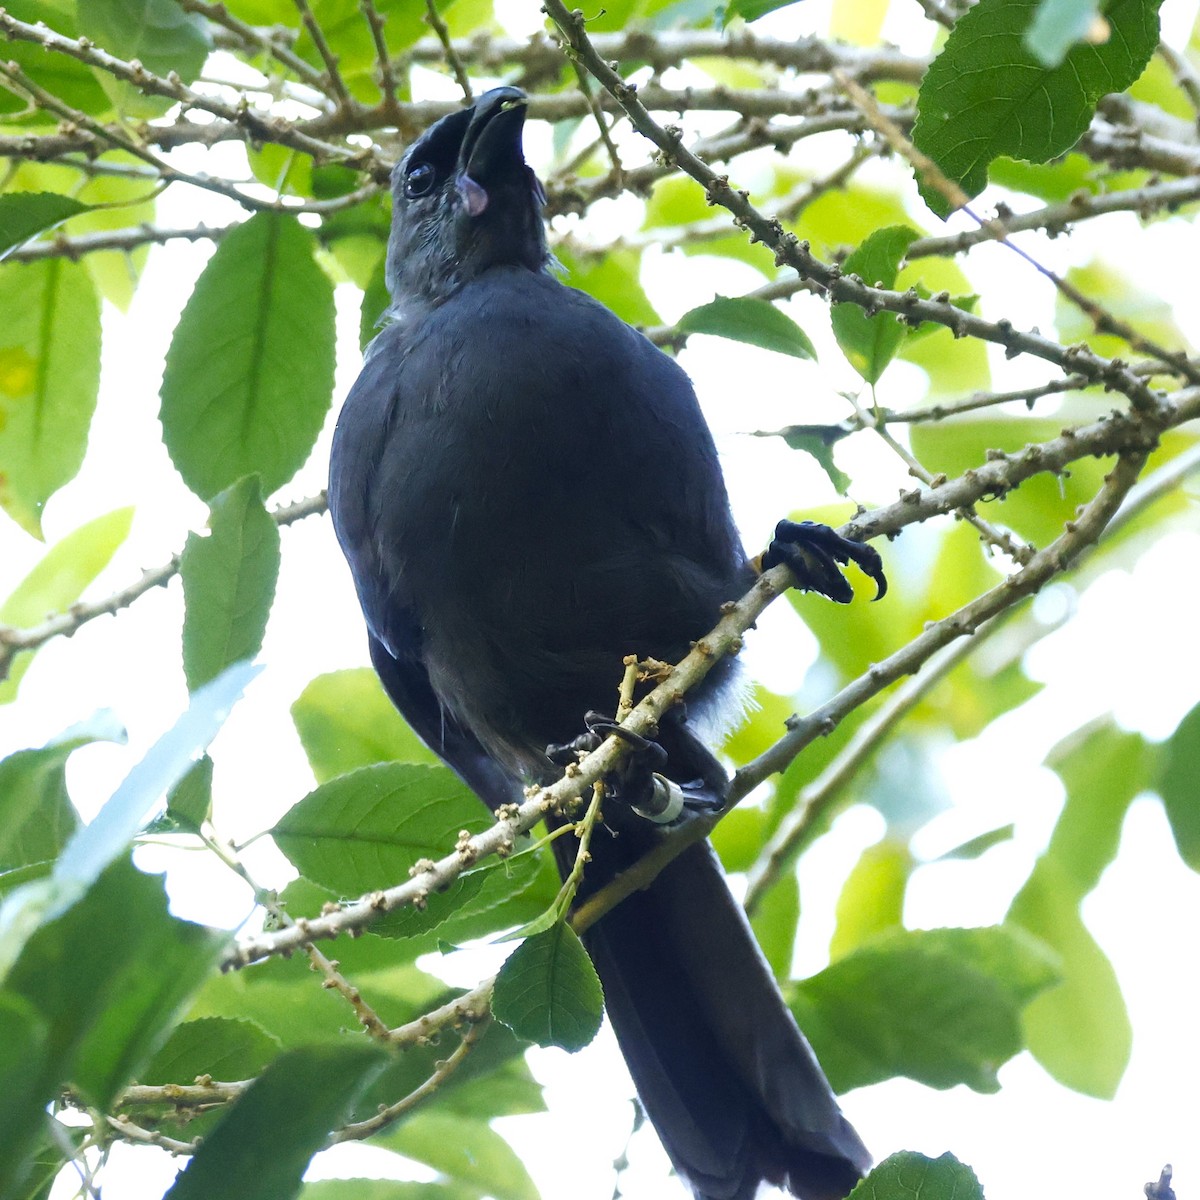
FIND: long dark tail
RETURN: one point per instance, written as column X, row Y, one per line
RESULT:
column 726, row 1077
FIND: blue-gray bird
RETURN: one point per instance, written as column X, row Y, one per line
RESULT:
column 526, row 492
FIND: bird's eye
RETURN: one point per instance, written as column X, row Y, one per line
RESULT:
column 419, row 180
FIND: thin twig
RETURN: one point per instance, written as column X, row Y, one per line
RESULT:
column 937, row 12
column 585, row 87
column 1003, row 540
column 544, row 55
column 359, row 1130
column 816, row 799
column 333, row 74
column 387, row 76
column 130, row 1131
column 242, row 119
column 334, row 980
column 1057, row 218
column 933, row 176
column 789, row 208
column 433, row 19
column 1186, row 77
column 256, row 40
column 116, row 137
column 827, row 277
column 14, row 640
column 1130, row 436
column 1044, row 565
column 125, row 240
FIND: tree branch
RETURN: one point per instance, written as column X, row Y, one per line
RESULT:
column 14, row 640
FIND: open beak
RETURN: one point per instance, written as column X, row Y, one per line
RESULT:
column 491, row 152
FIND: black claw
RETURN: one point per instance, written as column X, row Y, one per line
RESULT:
column 562, row 753
column 598, row 723
column 633, row 780
column 814, row 552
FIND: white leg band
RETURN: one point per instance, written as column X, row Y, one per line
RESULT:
column 666, row 803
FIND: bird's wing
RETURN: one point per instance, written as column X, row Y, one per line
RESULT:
column 407, row 683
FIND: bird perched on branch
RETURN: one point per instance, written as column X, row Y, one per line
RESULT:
column 526, row 492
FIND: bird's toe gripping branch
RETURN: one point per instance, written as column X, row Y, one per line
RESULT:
column 815, row 553
column 638, row 781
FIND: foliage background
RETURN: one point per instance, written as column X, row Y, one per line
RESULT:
column 965, row 762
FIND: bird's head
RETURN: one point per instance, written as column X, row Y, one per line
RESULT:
column 464, row 200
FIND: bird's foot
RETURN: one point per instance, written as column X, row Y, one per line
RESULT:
column 815, row 553
column 637, row 781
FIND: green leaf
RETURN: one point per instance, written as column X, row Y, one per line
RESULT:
column 49, row 378
column 872, row 898
column 1079, row 1031
column 859, row 22
column 24, row 1038
column 1102, row 768
column 190, row 800
column 91, row 848
column 774, row 921
column 751, row 10
column 1178, row 787
column 469, row 1153
column 114, row 202
column 282, row 169
column 740, row 836
column 1053, row 182
column 386, row 1189
column 251, row 1154
column 1120, row 296
column 346, row 721
column 976, row 847
column 1057, row 26
column 228, row 583
column 375, row 302
column 676, row 200
column 37, row 818
column 1023, row 965
column 870, row 341
column 158, row 33
column 58, row 580
column 218, row 1046
column 97, row 844
column 487, row 898
column 57, row 1149
column 939, row 1006
column 847, row 217
column 986, row 93
column 750, row 320
column 1038, row 509
column 64, row 77
column 249, row 374
column 818, row 441
column 365, row 830
column 912, row 1176
column 613, row 279
column 22, row 214
column 110, row 976
column 548, row 992
column 280, row 996
column 1158, row 85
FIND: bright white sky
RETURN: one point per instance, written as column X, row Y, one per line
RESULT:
column 1034, row 1138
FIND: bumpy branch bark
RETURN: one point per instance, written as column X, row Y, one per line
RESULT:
column 1129, row 437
